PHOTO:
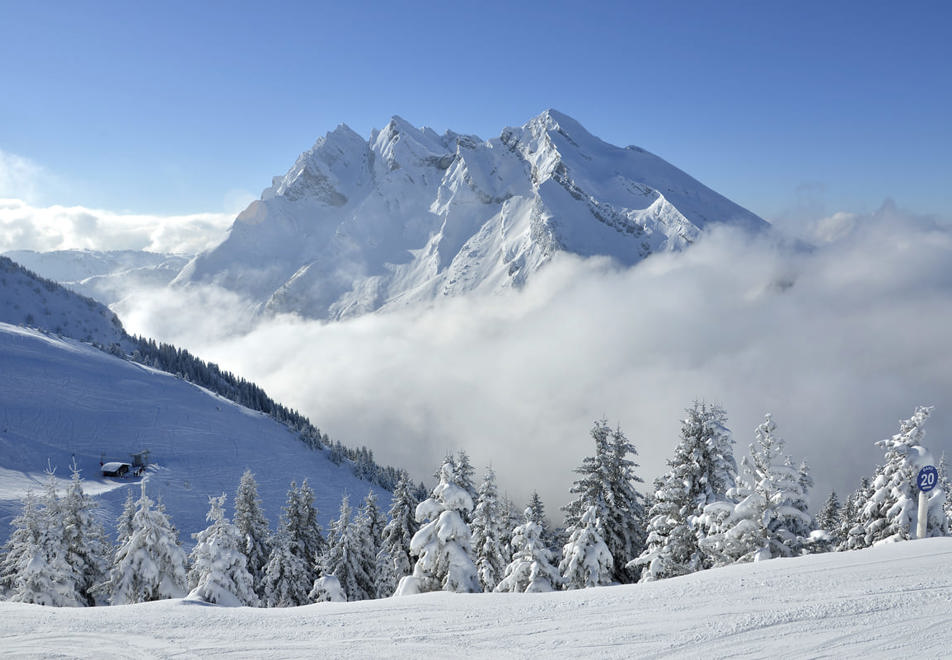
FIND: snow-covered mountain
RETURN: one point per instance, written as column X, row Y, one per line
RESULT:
column 62, row 400
column 107, row 276
column 28, row 300
column 409, row 215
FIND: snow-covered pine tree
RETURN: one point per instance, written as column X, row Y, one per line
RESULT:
column 890, row 512
column 88, row 552
column 149, row 563
column 442, row 544
column 327, row 589
column 219, row 572
column 586, row 560
column 253, row 530
column 299, row 521
column 393, row 559
column 508, row 520
column 829, row 521
column 702, row 472
column 531, row 568
column 490, row 564
column 370, row 523
column 124, row 526
column 607, row 483
column 946, row 485
column 24, row 542
column 852, row 533
column 285, row 582
column 344, row 556
column 464, row 472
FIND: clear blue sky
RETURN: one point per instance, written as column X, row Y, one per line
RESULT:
column 170, row 107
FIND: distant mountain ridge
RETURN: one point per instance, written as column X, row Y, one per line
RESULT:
column 409, row 216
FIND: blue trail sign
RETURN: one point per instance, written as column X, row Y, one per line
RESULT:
column 927, row 479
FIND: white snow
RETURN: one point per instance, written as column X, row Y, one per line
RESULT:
column 886, row 602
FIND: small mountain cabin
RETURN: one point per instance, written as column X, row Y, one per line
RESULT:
column 115, row 469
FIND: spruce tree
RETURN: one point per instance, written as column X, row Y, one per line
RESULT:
column 370, row 524
column 219, row 572
column 531, row 568
column 490, row 564
column 586, row 560
column 24, row 542
column 463, row 473
column 88, row 552
column 442, row 544
column 299, row 521
column 393, row 559
column 890, row 511
column 702, row 472
column 149, row 563
column 253, row 530
column 285, row 582
column 829, row 521
column 344, row 556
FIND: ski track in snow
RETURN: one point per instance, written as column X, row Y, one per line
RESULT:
column 886, row 602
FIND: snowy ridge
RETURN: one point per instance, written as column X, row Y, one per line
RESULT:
column 409, row 215
column 888, row 601
column 61, row 399
column 28, row 300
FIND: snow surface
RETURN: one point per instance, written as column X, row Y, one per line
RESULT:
column 61, row 399
column 891, row 601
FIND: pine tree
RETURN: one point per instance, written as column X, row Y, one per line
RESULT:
column 531, row 568
column 702, row 472
column 285, row 582
column 890, row 512
column 607, row 483
column 124, row 526
column 219, row 572
column 253, row 530
column 299, row 521
column 370, row 524
column 829, row 521
column 393, row 559
column 88, row 552
column 586, row 560
column 490, row 564
column 343, row 558
column 852, row 531
column 24, row 542
column 149, row 563
column 442, row 545
column 463, row 473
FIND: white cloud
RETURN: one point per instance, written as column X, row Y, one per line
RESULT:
column 27, row 227
column 838, row 343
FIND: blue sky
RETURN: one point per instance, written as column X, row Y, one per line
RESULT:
column 181, row 107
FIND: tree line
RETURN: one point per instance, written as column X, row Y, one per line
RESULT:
column 705, row 511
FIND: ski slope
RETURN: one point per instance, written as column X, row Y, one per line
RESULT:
column 893, row 601
column 61, row 399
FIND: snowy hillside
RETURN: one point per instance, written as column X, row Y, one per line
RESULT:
column 31, row 301
column 410, row 215
column 892, row 601
column 105, row 276
column 61, row 399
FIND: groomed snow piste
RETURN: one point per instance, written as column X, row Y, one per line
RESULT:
column 890, row 601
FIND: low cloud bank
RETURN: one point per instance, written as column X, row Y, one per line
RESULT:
column 838, row 342
column 27, row 227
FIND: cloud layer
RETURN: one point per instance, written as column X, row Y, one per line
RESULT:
column 27, row 227
column 839, row 343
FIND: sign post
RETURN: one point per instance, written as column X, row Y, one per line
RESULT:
column 926, row 480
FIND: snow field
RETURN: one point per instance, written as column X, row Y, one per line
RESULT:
column 893, row 600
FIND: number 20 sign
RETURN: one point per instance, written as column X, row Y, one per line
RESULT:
column 927, row 478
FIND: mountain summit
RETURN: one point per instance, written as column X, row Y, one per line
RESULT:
column 410, row 215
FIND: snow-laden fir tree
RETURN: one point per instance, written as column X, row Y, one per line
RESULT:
column 828, row 520
column 702, row 472
column 299, row 521
column 490, row 564
column 945, row 484
column 285, row 582
column 890, row 512
column 764, row 516
column 442, row 544
column 607, row 483
column 852, row 534
column 586, row 559
column 343, row 557
column 370, row 523
column 531, row 568
column 124, row 523
column 88, row 551
column 149, row 564
column 219, row 572
column 464, row 473
column 24, row 542
column 509, row 519
column 253, row 530
column 327, row 589
column 393, row 559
